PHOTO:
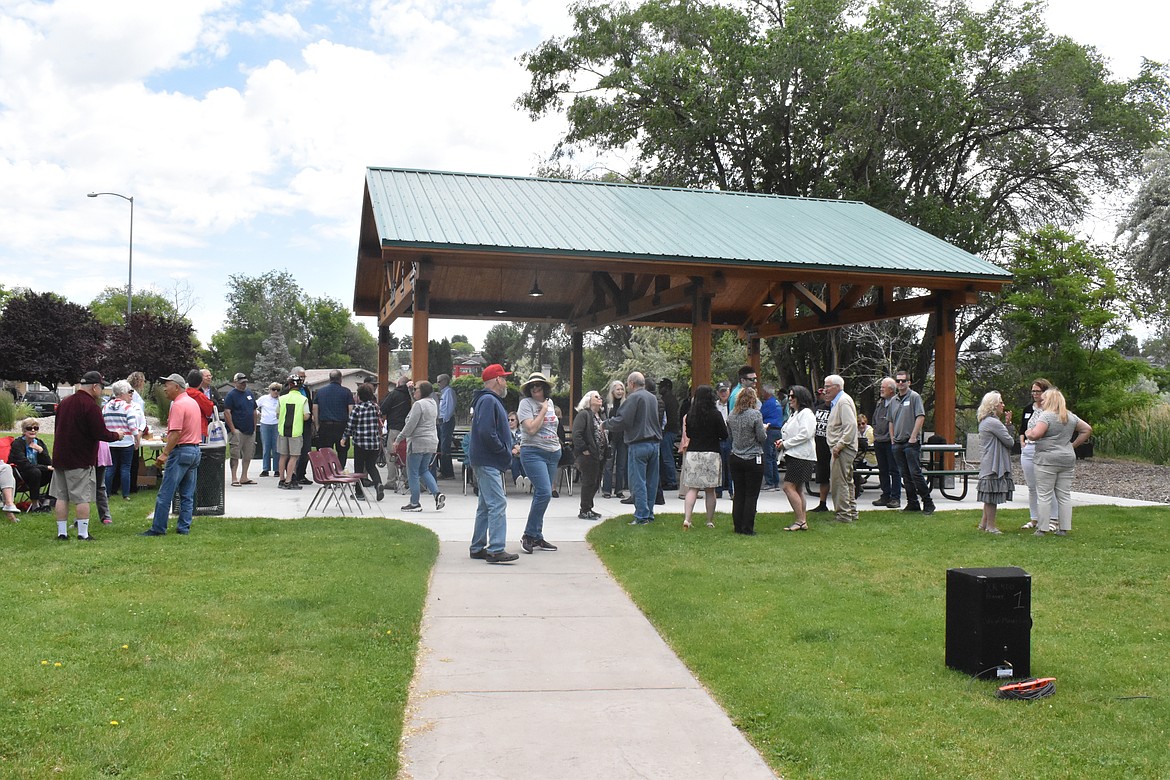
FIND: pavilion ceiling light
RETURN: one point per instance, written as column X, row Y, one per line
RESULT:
column 536, row 292
column 768, row 302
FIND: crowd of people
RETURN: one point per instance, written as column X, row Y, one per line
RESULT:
column 729, row 439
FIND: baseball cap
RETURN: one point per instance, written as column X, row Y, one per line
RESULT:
column 722, row 386
column 240, row 378
column 92, row 378
column 493, row 371
column 176, row 378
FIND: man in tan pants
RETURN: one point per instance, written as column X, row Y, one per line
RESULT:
column 841, row 435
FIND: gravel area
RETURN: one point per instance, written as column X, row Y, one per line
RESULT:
column 1121, row 478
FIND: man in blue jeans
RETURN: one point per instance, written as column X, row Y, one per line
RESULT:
column 889, row 475
column 641, row 425
column 180, row 456
column 489, row 452
column 907, row 415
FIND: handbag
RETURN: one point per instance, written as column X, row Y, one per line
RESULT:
column 217, row 430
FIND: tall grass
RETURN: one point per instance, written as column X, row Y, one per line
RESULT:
column 1143, row 434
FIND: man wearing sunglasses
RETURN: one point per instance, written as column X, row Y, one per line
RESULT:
column 906, row 420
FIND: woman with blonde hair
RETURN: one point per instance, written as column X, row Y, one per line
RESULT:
column 590, row 444
column 1030, row 416
column 1056, row 459
column 995, row 466
column 613, row 472
column 745, row 426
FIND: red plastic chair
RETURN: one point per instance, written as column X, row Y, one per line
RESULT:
column 329, row 485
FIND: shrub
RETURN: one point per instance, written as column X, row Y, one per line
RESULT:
column 7, row 411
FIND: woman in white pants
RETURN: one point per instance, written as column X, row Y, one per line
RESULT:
column 1028, row 452
column 1055, row 459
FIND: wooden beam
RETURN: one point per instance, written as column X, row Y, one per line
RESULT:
column 383, row 361
column 908, row 307
column 807, row 297
column 674, row 298
column 576, row 369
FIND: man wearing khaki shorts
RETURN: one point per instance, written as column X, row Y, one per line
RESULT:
column 78, row 429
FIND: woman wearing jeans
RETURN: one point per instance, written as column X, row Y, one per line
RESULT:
column 269, row 409
column 121, row 416
column 540, row 453
column 421, row 433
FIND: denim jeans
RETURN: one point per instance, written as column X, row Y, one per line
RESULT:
column 642, row 470
column 771, row 467
column 270, row 461
column 908, row 456
column 182, row 469
column 541, row 467
column 417, row 464
column 668, row 477
column 889, row 476
column 122, row 457
column 491, row 519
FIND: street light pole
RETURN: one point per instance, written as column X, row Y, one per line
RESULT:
column 130, row 273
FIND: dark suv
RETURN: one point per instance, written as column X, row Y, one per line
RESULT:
column 43, row 402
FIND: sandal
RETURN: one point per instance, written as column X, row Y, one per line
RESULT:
column 797, row 527
column 1028, row 526
column 247, row 482
column 710, row 524
column 686, row 525
column 235, row 484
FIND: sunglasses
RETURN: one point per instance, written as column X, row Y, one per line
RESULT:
column 33, row 428
column 751, row 378
column 901, row 381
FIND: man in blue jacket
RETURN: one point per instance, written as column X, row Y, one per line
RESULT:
column 489, row 452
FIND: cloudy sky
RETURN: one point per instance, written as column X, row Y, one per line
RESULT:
column 243, row 129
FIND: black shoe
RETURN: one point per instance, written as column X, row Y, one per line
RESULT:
column 412, row 508
column 296, row 486
column 302, row 481
column 541, row 544
column 380, row 491
column 151, row 532
column 607, row 495
column 628, row 500
column 912, row 508
column 894, row 503
column 928, row 509
column 556, row 494
column 584, row 515
column 62, row 537
column 282, row 485
column 501, row 557
column 594, row 515
column 618, row 494
column 440, row 502
column 264, row 473
column 881, row 501
column 86, row 538
column 819, row 508
column 526, row 543
column 480, row 555
column 639, row 522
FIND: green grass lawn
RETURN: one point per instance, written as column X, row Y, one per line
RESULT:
column 826, row 647
column 252, row 648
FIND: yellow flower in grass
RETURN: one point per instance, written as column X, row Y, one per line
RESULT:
column 44, row 663
column 125, row 647
column 113, row 723
column 56, row 663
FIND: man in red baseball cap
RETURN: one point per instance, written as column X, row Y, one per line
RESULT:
column 489, row 452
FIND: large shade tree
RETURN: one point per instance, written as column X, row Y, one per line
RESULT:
column 1147, row 226
column 974, row 125
column 157, row 345
column 45, row 338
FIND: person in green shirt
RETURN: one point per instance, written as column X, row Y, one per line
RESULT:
column 290, row 428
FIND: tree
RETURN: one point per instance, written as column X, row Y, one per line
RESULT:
column 45, row 338
column 1148, row 227
column 109, row 307
column 1063, row 307
column 273, row 361
column 439, row 357
column 972, row 125
column 156, row 345
column 503, row 344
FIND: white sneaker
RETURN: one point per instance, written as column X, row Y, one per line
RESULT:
column 10, row 508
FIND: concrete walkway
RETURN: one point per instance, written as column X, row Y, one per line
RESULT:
column 544, row 668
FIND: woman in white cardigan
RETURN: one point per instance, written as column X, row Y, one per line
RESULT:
column 800, row 453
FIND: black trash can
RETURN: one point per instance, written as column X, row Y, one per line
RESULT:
column 209, row 484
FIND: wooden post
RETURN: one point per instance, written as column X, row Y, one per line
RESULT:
column 700, row 338
column 753, row 356
column 420, row 331
column 576, row 366
column 945, row 369
column 383, row 360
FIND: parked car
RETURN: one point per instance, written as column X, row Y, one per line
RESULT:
column 43, row 402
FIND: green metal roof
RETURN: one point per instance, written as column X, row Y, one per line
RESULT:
column 436, row 209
